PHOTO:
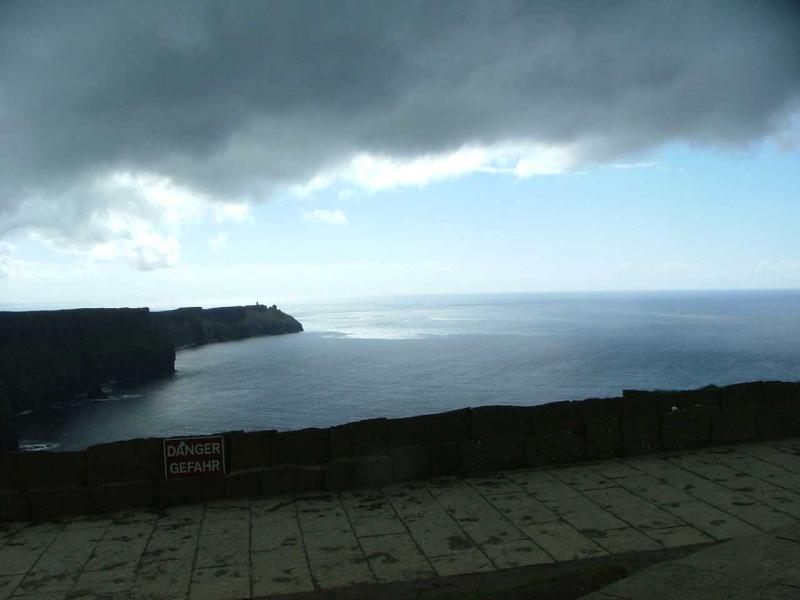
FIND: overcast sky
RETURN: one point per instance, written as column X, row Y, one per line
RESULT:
column 183, row 152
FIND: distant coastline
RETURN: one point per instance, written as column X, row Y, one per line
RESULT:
column 54, row 357
column 195, row 326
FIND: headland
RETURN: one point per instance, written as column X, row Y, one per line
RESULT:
column 52, row 357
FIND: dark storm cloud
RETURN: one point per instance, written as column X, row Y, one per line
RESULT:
column 235, row 98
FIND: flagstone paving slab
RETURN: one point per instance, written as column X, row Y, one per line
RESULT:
column 563, row 542
column 282, row 571
column 441, row 527
column 766, row 566
column 396, row 557
column 164, row 579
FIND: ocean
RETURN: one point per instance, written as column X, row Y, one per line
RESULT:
column 394, row 357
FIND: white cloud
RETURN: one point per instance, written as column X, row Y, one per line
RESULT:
column 332, row 217
column 135, row 217
column 635, row 165
column 156, row 195
column 376, row 173
column 218, row 242
column 234, row 213
column 145, row 249
column 9, row 264
column 154, row 251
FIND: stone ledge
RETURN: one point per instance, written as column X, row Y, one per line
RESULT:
column 39, row 470
column 684, row 429
column 603, row 437
column 501, row 421
column 310, row 446
column 249, row 450
column 59, row 502
column 492, row 454
column 734, row 423
column 14, row 506
column 117, row 496
column 361, row 438
column 358, row 472
column 424, row 430
column 134, row 460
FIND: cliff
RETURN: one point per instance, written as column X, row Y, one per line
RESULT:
column 195, row 326
column 47, row 357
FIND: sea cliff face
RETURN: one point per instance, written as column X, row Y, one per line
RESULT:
column 50, row 357
column 195, row 326
column 47, row 357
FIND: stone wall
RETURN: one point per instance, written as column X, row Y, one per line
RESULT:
column 376, row 452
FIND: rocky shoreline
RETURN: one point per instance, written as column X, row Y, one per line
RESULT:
column 52, row 357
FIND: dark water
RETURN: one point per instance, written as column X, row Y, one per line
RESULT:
column 406, row 356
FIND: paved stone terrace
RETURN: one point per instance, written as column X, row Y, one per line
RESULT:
column 766, row 567
column 261, row 546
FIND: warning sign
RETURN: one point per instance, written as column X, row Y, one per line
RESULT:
column 201, row 456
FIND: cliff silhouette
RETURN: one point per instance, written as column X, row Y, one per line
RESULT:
column 195, row 326
column 52, row 357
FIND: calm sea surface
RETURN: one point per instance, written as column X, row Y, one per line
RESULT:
column 405, row 356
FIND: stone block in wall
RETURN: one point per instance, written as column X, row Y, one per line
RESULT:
column 106, row 463
column 151, row 453
column 557, row 416
column 424, row 430
column 310, row 446
column 373, row 471
column 13, row 505
column 500, row 421
column 340, row 474
column 640, row 403
column 409, row 463
column 130, row 460
column 737, row 423
column 600, row 407
column 249, row 450
column 243, row 484
column 444, row 459
column 742, row 394
column 9, row 471
column 39, row 470
column 308, row 478
column 603, row 437
column 361, row 438
column 59, row 502
column 277, row 479
column 358, row 472
column 779, row 421
column 707, row 397
column 781, row 392
column 188, row 491
column 641, row 435
column 689, row 428
column 118, row 496
column 493, row 454
column 556, row 447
